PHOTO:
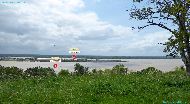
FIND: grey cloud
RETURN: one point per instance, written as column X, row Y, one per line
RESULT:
column 97, row 34
column 35, row 27
column 11, row 23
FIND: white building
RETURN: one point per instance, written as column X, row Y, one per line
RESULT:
column 55, row 59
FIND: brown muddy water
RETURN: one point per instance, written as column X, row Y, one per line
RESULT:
column 132, row 64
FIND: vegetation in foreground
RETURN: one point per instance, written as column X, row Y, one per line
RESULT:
column 109, row 86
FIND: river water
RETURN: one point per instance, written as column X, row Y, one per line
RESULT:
column 132, row 64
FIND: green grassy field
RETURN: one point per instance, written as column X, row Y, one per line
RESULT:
column 134, row 88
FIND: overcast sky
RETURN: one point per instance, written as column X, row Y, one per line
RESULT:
column 96, row 27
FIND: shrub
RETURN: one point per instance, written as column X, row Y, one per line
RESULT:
column 63, row 73
column 149, row 70
column 180, row 69
column 107, row 71
column 94, row 71
column 100, row 71
column 80, row 70
column 119, row 69
column 10, row 72
column 103, row 88
column 40, row 72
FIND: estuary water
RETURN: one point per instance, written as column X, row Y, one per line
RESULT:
column 132, row 64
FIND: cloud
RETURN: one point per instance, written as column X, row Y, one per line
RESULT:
column 33, row 28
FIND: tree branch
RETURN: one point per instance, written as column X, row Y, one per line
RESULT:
column 158, row 24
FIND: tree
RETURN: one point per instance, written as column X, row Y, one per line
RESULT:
column 171, row 15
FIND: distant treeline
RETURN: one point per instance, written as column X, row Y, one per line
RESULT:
column 90, row 56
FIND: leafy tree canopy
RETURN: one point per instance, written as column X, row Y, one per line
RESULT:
column 171, row 15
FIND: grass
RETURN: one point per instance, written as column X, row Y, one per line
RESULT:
column 132, row 88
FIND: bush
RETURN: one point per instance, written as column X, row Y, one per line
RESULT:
column 10, row 72
column 103, row 88
column 180, row 69
column 107, row 71
column 40, row 72
column 94, row 71
column 149, row 70
column 100, row 71
column 63, row 73
column 119, row 69
column 80, row 70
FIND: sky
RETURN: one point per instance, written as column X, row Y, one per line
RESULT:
column 96, row 27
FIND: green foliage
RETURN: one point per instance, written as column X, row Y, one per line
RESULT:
column 63, row 73
column 94, row 71
column 149, row 87
column 100, row 72
column 180, row 69
column 108, row 71
column 80, row 70
column 104, row 89
column 10, row 72
column 150, row 70
column 40, row 72
column 119, row 69
column 163, row 13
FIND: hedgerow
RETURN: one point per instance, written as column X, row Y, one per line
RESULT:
column 10, row 73
column 40, row 72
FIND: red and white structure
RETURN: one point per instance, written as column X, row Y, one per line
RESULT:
column 74, row 52
column 55, row 61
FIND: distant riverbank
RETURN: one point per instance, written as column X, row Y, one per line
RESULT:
column 89, row 56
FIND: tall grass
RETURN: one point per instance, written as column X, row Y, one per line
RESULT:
column 134, row 88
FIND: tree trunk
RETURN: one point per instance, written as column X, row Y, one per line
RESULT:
column 188, row 69
column 186, row 61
